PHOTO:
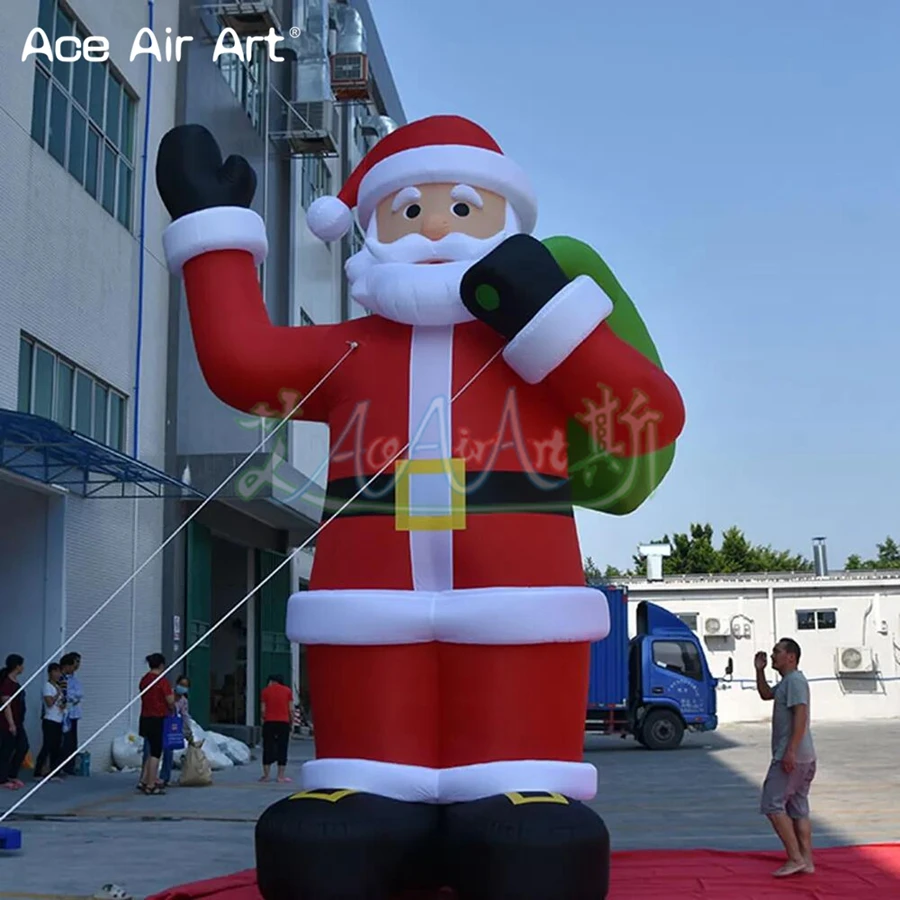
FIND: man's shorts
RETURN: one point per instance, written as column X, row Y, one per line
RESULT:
column 785, row 792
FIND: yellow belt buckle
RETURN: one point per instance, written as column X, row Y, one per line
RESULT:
column 455, row 469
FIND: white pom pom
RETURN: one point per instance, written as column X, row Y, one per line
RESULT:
column 329, row 218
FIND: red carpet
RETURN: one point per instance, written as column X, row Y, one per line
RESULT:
column 842, row 873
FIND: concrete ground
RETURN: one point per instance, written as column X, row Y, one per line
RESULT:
column 84, row 832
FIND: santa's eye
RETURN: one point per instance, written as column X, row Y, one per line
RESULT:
column 460, row 209
column 413, row 211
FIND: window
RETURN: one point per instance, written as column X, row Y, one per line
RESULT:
column 83, row 115
column 355, row 240
column 681, row 657
column 304, row 317
column 816, row 619
column 247, row 81
column 689, row 619
column 54, row 388
column 315, row 180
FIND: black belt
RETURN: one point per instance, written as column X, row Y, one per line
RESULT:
column 493, row 492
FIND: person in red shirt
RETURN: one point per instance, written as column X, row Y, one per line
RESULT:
column 13, row 740
column 156, row 704
column 277, row 712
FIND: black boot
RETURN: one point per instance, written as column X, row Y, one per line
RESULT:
column 528, row 846
column 346, row 845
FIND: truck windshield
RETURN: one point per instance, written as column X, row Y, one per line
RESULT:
column 682, row 657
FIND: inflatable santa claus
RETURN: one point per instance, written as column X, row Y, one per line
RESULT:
column 447, row 626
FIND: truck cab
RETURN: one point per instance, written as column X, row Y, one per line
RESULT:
column 671, row 689
column 654, row 686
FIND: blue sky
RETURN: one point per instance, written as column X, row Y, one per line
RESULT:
column 738, row 167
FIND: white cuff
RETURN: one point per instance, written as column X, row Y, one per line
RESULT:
column 497, row 615
column 217, row 228
column 416, row 784
column 557, row 329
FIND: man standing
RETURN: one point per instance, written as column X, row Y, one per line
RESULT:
column 785, row 793
column 74, row 695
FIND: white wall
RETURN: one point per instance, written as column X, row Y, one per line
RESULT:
column 70, row 276
column 771, row 613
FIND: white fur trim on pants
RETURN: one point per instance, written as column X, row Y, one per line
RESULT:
column 417, row 784
column 498, row 615
column 449, row 164
column 217, row 228
column 557, row 329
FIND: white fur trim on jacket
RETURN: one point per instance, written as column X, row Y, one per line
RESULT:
column 449, row 164
column 557, row 329
column 217, row 228
column 498, row 615
column 417, row 784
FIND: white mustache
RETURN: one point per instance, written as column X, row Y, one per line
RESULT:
column 416, row 248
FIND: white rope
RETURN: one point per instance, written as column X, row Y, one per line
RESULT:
column 55, row 656
column 232, row 611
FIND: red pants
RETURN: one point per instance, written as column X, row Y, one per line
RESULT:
column 447, row 722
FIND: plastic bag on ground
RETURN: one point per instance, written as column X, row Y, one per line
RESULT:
column 128, row 751
column 237, row 751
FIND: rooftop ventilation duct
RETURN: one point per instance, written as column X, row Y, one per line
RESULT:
column 376, row 127
column 312, row 73
column 820, row 560
column 351, row 33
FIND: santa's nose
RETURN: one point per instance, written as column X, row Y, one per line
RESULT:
column 435, row 227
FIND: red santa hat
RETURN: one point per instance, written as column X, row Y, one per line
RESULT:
column 436, row 150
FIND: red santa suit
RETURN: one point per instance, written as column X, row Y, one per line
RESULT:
column 447, row 623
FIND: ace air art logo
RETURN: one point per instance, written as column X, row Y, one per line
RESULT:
column 96, row 49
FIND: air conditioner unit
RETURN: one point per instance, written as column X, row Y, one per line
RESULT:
column 854, row 660
column 712, row 627
column 313, row 128
column 249, row 18
column 350, row 76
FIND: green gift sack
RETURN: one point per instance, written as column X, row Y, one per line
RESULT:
column 599, row 480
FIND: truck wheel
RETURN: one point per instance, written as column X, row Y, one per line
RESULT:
column 662, row 730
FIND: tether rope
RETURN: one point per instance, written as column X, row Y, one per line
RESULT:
column 236, row 607
column 55, row 656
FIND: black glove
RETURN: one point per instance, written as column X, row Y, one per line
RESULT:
column 191, row 176
column 512, row 284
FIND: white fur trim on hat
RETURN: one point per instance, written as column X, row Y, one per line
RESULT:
column 451, row 164
column 329, row 218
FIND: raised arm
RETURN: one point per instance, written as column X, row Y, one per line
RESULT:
column 762, row 686
column 216, row 242
column 249, row 363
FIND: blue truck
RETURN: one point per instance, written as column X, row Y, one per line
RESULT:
column 654, row 686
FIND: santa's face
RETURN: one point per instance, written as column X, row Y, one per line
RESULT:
column 420, row 243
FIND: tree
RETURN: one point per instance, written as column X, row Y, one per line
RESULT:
column 694, row 553
column 888, row 557
column 593, row 575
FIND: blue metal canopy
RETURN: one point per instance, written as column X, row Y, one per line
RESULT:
column 44, row 451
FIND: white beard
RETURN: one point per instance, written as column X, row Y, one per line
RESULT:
column 392, row 280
